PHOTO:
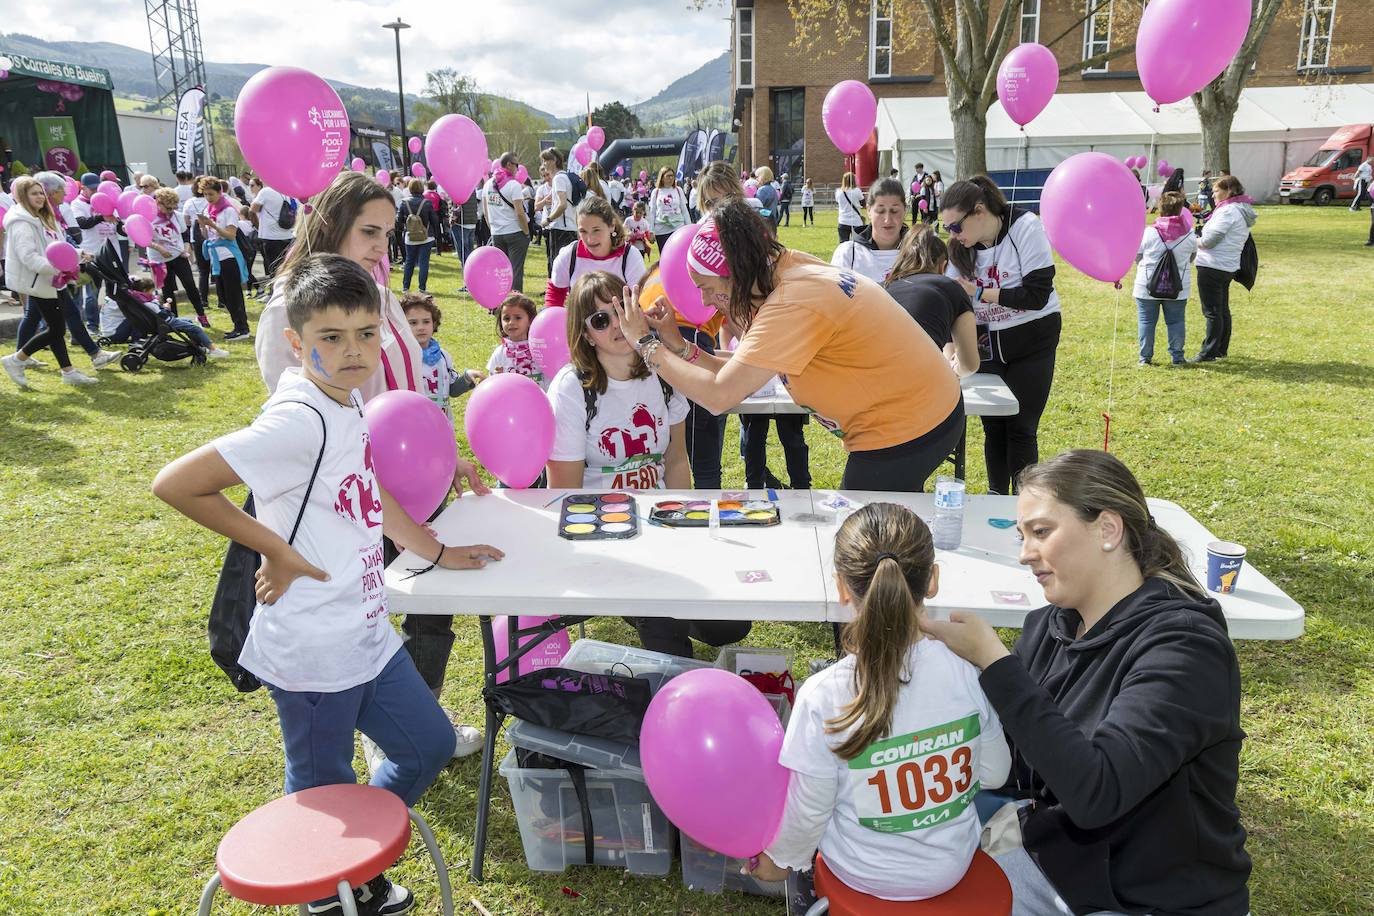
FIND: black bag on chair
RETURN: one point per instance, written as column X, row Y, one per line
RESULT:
column 599, row 705
column 231, row 610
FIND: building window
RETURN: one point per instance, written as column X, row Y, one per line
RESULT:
column 1314, row 41
column 744, row 54
column 880, row 39
column 789, row 130
column 1030, row 21
column 1097, row 33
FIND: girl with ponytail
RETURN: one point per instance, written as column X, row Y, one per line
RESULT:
column 888, row 746
column 1122, row 703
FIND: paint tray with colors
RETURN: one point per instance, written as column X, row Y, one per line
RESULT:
column 598, row 517
column 696, row 513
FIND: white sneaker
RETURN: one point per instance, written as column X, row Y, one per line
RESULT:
column 15, row 370
column 373, row 754
column 105, row 357
column 469, row 740
column 77, row 378
column 217, row 353
column 32, row 363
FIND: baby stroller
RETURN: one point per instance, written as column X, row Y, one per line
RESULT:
column 152, row 335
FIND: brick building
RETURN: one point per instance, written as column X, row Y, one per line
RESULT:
column 779, row 86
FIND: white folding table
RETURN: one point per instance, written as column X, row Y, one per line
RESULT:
column 779, row 573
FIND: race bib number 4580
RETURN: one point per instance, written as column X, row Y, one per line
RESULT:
column 916, row 781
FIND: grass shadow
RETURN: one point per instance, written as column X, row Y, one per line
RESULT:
column 1347, row 375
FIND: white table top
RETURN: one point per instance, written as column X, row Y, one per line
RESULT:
column 985, row 395
column 685, row 573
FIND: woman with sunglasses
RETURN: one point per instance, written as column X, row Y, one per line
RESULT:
column 843, row 347
column 1002, row 258
column 618, row 427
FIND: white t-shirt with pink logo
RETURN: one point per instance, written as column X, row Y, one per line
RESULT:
column 623, row 446
column 319, row 636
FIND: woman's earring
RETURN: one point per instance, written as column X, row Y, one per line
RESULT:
column 1106, row 546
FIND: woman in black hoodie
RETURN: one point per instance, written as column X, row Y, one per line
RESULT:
column 1122, row 704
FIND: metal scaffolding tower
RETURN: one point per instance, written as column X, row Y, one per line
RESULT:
column 178, row 65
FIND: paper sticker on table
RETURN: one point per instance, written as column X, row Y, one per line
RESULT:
column 735, row 495
column 750, row 576
column 1017, row 598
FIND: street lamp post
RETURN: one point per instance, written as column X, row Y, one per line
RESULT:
column 400, row 91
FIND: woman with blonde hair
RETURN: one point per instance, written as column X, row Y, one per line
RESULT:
column 850, row 202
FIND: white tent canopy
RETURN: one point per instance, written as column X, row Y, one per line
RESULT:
column 1275, row 129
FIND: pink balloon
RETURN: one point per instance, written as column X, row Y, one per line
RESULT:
column 495, row 164
column 643, row 175
column 596, row 138
column 292, row 129
column 415, row 144
column 456, row 150
column 418, row 169
column 108, row 175
column 1182, row 45
column 849, row 113
column 146, row 207
column 111, row 188
column 73, row 189
column 923, row 205
column 677, row 278
column 509, row 424
column 1026, row 81
column 549, row 340
column 1093, row 216
column 1130, row 162
column 124, row 206
column 383, row 177
column 549, row 654
column 522, row 174
column 139, row 230
column 63, row 256
column 582, row 153
column 709, row 747
column 103, row 203
column 488, row 276
column 358, row 164
column 1165, row 169
column 414, row 452
column 751, row 190
column 620, row 171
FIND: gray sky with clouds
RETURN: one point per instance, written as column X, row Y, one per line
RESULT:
column 544, row 53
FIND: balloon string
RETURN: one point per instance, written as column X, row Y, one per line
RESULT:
column 1111, row 372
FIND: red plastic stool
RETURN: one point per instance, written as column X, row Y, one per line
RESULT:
column 317, row 843
column 983, row 891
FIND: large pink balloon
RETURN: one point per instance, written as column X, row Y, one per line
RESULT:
column 1093, row 215
column 1182, row 45
column 582, row 153
column 1165, row 169
column 292, row 129
column 383, row 177
column 110, row 188
column 73, row 189
column 124, row 206
column 414, row 452
column 709, row 746
column 849, row 113
column 415, row 144
column 103, row 203
column 418, row 169
column 596, row 138
column 488, row 276
column 139, row 230
column 677, row 279
column 358, row 164
column 63, row 256
column 1026, row 81
column 509, row 424
column 456, row 150
column 549, row 654
column 146, row 207
column 549, row 340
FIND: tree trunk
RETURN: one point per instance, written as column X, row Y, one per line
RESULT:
column 1216, row 112
column 970, row 139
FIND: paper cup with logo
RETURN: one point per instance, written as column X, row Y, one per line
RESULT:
column 1224, row 559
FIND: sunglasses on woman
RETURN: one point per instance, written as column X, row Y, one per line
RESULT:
column 957, row 226
column 598, row 321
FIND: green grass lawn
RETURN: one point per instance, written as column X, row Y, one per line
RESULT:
column 125, row 754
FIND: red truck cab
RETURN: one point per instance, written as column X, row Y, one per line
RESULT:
column 1330, row 173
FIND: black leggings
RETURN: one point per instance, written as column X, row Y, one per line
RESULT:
column 179, row 271
column 845, row 232
column 202, row 268
column 808, row 216
column 1214, row 289
column 792, row 435
column 54, row 335
column 674, row 637
column 905, row 468
column 1023, row 357
column 229, row 288
column 705, row 430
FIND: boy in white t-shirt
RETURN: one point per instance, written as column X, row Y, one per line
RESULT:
column 888, row 746
column 320, row 637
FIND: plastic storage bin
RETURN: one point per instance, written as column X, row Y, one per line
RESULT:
column 596, row 657
column 631, row 832
column 782, row 661
column 712, row 872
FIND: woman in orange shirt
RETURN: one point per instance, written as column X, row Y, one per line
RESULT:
column 845, row 350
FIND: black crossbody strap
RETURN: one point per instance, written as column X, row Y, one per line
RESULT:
column 314, row 472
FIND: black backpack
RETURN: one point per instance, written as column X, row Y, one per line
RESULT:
column 1165, row 282
column 231, row 610
column 572, row 263
column 1249, row 264
column 579, row 187
column 286, row 216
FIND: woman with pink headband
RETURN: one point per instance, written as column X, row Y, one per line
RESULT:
column 845, row 350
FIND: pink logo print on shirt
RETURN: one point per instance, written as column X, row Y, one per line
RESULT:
column 625, row 443
column 431, row 385
column 357, row 499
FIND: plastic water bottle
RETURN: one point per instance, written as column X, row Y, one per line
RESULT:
column 948, row 529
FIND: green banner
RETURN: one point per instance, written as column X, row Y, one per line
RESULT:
column 57, row 144
column 918, row 744
column 60, row 71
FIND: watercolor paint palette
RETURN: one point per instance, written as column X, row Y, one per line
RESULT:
column 598, row 517
column 752, row 513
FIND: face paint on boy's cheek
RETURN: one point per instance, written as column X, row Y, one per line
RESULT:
column 318, row 363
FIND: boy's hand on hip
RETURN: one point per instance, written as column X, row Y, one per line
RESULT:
column 276, row 574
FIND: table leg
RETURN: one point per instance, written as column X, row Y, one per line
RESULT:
column 494, row 722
